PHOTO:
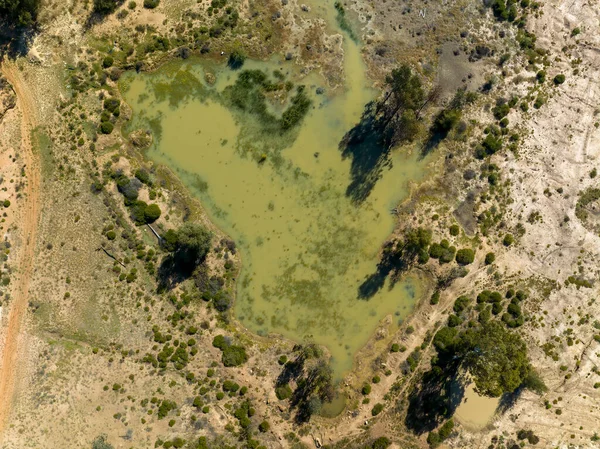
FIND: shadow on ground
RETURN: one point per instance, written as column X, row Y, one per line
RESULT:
column 15, row 42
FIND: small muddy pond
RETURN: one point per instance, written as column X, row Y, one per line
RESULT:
column 475, row 411
column 306, row 246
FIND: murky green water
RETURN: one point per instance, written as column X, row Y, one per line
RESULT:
column 305, row 246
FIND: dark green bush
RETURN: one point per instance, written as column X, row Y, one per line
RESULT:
column 151, row 213
column 465, row 256
column 106, row 127
column 377, row 409
column 264, row 427
column 230, row 386
column 105, row 6
column 541, row 76
column 559, row 79
column 454, row 230
column 508, row 240
column 490, row 258
column 454, row 321
column 220, row 342
column 107, row 62
column 461, row 304
column 151, row 4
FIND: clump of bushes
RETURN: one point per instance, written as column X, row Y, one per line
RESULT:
column 111, row 109
column 231, row 355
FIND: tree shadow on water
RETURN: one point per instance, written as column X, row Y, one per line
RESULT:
column 366, row 145
column 392, row 264
column 436, row 399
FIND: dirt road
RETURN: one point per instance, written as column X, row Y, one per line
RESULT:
column 14, row 340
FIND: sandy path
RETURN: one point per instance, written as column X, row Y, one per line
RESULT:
column 13, row 340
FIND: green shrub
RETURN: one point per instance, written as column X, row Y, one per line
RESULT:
column 106, row 127
column 508, row 240
column 381, row 443
column 105, row 6
column 143, row 176
column 283, row 392
column 500, row 111
column 541, row 76
column 539, row 102
column 433, row 439
column 264, row 426
column 446, row 430
column 6, row 203
column 490, row 258
column 559, row 79
column 111, row 235
column 230, row 386
column 151, row 4
column 454, row 230
column 151, row 213
column 447, row 255
column 465, row 256
column 132, row 5
column 377, row 409
column 454, row 321
column 366, row 389
column 461, row 303
column 395, row 348
column 491, row 144
column 436, row 250
column 435, row 298
column 220, row 342
column 234, row 356
column 107, row 62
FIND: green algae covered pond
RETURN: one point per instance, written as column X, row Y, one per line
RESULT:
column 306, row 244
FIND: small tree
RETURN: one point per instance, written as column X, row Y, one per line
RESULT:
column 236, row 59
column 190, row 243
column 465, row 256
column 152, row 213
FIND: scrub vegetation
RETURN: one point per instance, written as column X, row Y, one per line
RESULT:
column 129, row 288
